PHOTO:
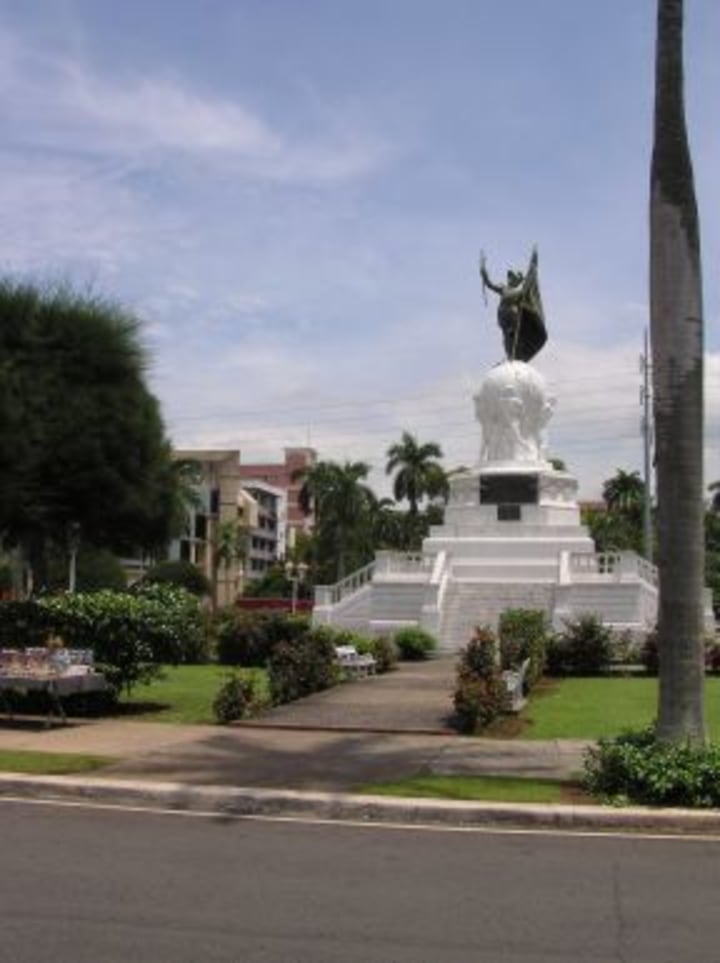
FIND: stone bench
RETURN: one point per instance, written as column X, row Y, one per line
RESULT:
column 352, row 663
column 514, row 680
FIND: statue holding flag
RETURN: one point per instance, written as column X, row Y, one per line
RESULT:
column 520, row 312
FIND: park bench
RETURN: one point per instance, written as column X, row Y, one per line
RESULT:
column 352, row 663
column 57, row 672
column 514, row 680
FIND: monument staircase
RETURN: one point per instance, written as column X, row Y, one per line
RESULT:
column 511, row 538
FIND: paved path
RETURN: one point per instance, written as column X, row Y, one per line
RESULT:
column 416, row 697
column 380, row 728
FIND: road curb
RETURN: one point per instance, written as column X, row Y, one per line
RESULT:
column 230, row 801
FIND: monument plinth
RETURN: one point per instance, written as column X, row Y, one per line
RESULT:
column 512, row 535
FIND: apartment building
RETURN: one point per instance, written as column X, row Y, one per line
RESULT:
column 217, row 503
column 279, row 475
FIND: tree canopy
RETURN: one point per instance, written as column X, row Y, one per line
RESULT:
column 343, row 505
column 82, row 443
column 418, row 473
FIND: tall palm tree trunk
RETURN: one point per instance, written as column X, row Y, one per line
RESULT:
column 677, row 353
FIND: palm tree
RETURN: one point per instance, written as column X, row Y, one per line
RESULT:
column 229, row 544
column 342, row 505
column 624, row 492
column 677, row 353
column 418, row 474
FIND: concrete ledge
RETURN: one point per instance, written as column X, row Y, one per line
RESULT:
column 358, row 808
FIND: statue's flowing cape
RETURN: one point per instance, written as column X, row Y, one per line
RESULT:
column 531, row 335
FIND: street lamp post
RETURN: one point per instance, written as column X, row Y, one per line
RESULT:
column 295, row 573
column 73, row 547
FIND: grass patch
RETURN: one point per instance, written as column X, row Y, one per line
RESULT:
column 593, row 708
column 185, row 694
column 50, row 763
column 477, row 788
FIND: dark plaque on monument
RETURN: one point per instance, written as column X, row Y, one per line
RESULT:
column 509, row 489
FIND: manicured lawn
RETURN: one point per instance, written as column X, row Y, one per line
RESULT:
column 591, row 708
column 469, row 788
column 49, row 763
column 185, row 693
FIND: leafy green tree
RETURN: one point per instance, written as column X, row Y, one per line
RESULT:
column 619, row 526
column 82, row 443
column 417, row 472
column 624, row 492
column 179, row 572
column 342, row 505
column 676, row 325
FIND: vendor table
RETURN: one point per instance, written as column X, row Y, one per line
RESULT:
column 69, row 680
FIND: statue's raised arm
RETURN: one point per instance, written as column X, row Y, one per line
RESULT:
column 520, row 311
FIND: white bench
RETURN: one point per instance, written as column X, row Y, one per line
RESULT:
column 514, row 680
column 353, row 664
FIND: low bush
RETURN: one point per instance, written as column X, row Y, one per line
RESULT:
column 306, row 665
column 248, row 638
column 583, row 648
column 480, row 692
column 523, row 634
column 130, row 634
column 649, row 654
column 636, row 768
column 382, row 649
column 235, row 699
column 712, row 657
column 24, row 624
column 182, row 573
column 414, row 644
column 6, row 577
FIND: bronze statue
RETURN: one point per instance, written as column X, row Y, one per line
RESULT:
column 520, row 311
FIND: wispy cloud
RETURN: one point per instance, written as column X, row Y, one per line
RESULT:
column 53, row 103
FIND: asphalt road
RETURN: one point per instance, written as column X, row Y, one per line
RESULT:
column 86, row 884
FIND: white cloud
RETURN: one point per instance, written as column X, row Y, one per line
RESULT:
column 53, row 103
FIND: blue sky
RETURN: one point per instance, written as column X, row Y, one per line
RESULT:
column 293, row 194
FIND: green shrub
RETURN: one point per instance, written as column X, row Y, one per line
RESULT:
column 6, row 577
column 130, row 634
column 179, row 624
column 635, row 767
column 24, row 624
column 180, row 573
column 235, row 699
column 248, row 638
column 95, row 569
column 712, row 657
column 306, row 665
column 649, row 654
column 523, row 634
column 414, row 644
column 382, row 649
column 583, row 648
column 480, row 692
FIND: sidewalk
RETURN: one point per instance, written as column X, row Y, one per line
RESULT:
column 305, row 759
column 374, row 729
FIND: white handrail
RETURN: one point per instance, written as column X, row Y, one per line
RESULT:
column 610, row 566
column 331, row 594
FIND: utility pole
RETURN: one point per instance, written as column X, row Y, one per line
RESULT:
column 647, row 431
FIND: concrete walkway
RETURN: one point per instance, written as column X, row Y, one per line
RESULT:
column 374, row 729
column 415, row 697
